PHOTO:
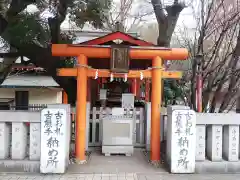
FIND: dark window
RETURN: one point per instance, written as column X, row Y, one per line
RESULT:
column 4, row 106
column 21, row 100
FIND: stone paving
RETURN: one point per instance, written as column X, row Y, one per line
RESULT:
column 122, row 176
column 117, row 168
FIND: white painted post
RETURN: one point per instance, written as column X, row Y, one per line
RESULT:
column 148, row 125
column 141, row 126
column 87, row 123
column 200, row 142
column 231, row 142
column 183, row 141
column 214, row 142
column 55, row 140
column 5, row 140
column 134, row 126
column 19, row 141
column 94, row 123
column 35, row 141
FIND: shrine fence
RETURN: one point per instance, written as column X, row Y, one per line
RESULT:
column 94, row 137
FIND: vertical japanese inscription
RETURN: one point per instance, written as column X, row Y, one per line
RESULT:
column 184, row 140
column 218, row 133
column 200, row 142
column 235, row 139
column 52, row 131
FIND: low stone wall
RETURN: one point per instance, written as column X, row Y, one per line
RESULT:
column 217, row 140
column 21, row 134
column 217, row 148
column 20, row 141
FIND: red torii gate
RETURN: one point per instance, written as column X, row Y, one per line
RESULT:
column 82, row 72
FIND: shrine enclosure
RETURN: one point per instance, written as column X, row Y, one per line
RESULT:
column 119, row 61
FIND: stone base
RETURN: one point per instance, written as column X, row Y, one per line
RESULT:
column 19, row 166
column 81, row 161
column 220, row 167
column 109, row 150
column 155, row 163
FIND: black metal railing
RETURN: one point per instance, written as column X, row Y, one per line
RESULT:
column 30, row 107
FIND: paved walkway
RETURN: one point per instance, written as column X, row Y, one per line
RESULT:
column 122, row 176
column 117, row 168
column 99, row 164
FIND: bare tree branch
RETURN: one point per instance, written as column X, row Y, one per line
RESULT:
column 217, row 38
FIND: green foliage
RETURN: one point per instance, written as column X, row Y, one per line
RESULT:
column 27, row 28
column 94, row 12
column 172, row 92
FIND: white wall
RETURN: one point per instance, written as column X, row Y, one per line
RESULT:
column 36, row 95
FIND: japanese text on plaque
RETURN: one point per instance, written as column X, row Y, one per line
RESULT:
column 183, row 126
column 52, row 129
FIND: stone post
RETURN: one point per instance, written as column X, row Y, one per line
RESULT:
column 181, row 139
column 214, row 142
column 55, row 139
column 231, row 142
column 170, row 110
column 35, row 141
column 19, row 141
column 200, row 142
column 5, row 140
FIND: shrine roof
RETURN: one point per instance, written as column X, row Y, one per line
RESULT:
column 120, row 36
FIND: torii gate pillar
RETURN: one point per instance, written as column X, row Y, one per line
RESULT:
column 156, row 108
column 81, row 108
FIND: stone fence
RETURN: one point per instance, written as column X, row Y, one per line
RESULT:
column 217, row 139
column 27, row 144
column 20, row 139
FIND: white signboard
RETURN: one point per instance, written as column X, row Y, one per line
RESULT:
column 103, row 94
column 183, row 141
column 54, row 141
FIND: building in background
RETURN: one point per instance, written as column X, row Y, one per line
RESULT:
column 28, row 88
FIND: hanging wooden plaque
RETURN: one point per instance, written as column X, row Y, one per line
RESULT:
column 119, row 62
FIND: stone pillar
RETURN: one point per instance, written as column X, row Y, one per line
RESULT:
column 55, row 140
column 200, row 142
column 128, row 101
column 182, row 140
column 214, row 142
column 170, row 110
column 231, row 142
column 35, row 141
column 19, row 141
column 66, row 107
column 5, row 140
